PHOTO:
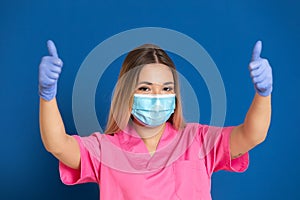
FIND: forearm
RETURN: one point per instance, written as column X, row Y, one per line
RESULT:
column 51, row 126
column 257, row 120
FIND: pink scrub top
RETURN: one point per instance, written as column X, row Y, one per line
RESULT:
column 181, row 168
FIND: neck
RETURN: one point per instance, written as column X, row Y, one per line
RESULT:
column 150, row 136
column 148, row 132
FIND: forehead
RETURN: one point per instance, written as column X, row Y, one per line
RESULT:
column 156, row 73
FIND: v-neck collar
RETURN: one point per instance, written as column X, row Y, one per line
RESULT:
column 132, row 142
column 126, row 151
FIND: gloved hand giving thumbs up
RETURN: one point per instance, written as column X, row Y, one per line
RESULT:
column 49, row 70
column 261, row 72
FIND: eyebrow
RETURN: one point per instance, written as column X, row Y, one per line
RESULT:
column 149, row 83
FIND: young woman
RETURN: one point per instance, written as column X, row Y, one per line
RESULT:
column 148, row 151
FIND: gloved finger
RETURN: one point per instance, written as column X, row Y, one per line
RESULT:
column 254, row 65
column 55, row 69
column 55, row 61
column 264, row 85
column 52, row 61
column 58, row 62
column 47, row 81
column 259, row 79
column 257, row 71
column 256, row 51
column 52, row 49
column 52, row 75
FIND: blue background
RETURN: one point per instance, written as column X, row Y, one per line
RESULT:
column 226, row 29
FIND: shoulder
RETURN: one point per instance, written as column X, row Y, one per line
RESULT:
column 194, row 127
column 203, row 132
column 95, row 140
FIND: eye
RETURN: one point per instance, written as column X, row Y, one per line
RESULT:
column 168, row 89
column 144, row 89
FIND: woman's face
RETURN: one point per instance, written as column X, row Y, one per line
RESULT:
column 155, row 79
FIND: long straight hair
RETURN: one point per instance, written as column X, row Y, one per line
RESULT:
column 120, row 109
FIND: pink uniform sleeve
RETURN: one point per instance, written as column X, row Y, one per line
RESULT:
column 218, row 151
column 89, row 162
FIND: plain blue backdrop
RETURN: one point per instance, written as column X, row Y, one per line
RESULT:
column 226, row 29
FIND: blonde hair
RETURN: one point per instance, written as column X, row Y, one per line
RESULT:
column 120, row 109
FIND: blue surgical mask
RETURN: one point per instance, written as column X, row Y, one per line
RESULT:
column 153, row 110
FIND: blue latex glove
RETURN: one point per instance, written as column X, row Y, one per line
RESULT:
column 49, row 70
column 261, row 72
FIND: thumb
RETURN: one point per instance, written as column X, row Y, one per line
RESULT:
column 256, row 50
column 52, row 49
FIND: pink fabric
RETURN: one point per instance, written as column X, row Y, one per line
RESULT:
column 181, row 168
